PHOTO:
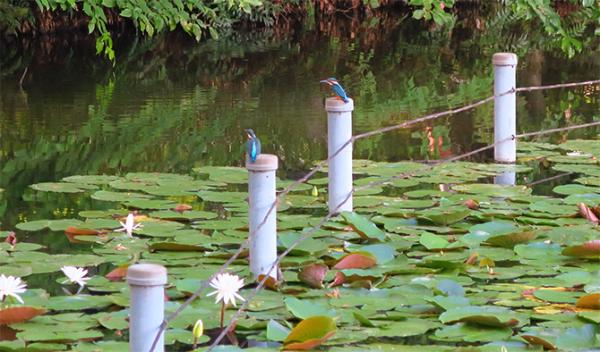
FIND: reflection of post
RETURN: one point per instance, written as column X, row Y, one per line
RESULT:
column 505, row 107
column 339, row 132
column 532, row 76
column 146, row 314
column 261, row 195
column 506, row 178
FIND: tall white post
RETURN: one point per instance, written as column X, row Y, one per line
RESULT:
column 505, row 107
column 147, row 311
column 261, row 190
column 339, row 132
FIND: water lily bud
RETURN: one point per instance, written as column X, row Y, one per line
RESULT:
column 198, row 329
column 315, row 191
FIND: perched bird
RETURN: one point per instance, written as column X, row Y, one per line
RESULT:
column 337, row 88
column 252, row 145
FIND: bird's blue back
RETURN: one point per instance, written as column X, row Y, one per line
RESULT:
column 339, row 91
column 253, row 148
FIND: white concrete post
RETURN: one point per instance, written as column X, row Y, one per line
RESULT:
column 147, row 311
column 261, row 190
column 339, row 132
column 505, row 107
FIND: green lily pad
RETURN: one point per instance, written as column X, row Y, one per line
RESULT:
column 91, row 179
column 306, row 308
column 276, row 331
column 493, row 190
column 445, row 215
column 62, row 187
column 481, row 315
column 472, row 333
column 363, row 226
column 556, row 296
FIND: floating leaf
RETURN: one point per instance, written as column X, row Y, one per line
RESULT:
column 590, row 249
column 313, row 275
column 445, row 215
column 19, row 314
column 363, row 226
column 383, row 252
column 118, row 273
column 150, row 204
column 54, row 225
column 472, row 333
column 305, row 308
column 276, row 331
column 555, row 296
column 484, row 315
column 76, row 231
column 357, row 260
column 578, row 338
column 510, row 240
column 432, row 241
column 492, row 190
column 91, row 179
column 575, row 189
column 62, row 187
column 591, row 301
column 310, row 333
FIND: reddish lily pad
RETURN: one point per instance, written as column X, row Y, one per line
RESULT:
column 591, row 301
column 357, row 260
column 19, row 314
column 590, row 249
column 313, row 275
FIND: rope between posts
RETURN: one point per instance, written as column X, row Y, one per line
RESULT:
column 332, row 213
column 320, row 167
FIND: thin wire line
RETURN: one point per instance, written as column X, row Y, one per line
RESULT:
column 534, row 183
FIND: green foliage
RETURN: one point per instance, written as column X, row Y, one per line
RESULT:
column 12, row 13
column 433, row 10
column 567, row 32
column 195, row 17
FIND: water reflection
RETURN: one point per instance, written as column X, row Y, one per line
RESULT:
column 170, row 104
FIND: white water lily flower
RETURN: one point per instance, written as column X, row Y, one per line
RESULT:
column 227, row 287
column 11, row 286
column 129, row 226
column 75, row 275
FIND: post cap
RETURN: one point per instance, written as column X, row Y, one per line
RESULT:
column 338, row 105
column 504, row 59
column 147, row 275
column 264, row 162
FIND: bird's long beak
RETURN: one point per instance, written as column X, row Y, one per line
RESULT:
column 325, row 81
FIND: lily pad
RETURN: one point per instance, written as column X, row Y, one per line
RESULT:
column 310, row 333
column 482, row 315
column 363, row 226
column 305, row 308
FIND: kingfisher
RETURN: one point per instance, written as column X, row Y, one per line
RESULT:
column 252, row 145
column 337, row 88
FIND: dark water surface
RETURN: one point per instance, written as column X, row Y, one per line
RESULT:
column 171, row 104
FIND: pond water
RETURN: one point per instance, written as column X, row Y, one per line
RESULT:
column 171, row 104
